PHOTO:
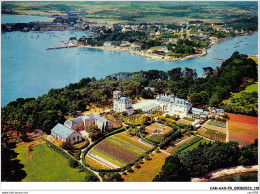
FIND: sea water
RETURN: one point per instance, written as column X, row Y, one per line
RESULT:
column 29, row 70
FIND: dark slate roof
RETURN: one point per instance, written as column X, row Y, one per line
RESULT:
column 77, row 120
column 69, row 123
column 62, row 131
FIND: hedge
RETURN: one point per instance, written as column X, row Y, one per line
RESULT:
column 71, row 160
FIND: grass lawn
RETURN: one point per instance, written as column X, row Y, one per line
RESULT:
column 149, row 169
column 195, row 145
column 46, row 165
column 251, row 87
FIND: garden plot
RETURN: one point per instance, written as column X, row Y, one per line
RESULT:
column 117, row 151
column 243, row 128
column 216, row 126
column 157, row 128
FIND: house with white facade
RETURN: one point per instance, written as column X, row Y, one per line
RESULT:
column 173, row 105
column 65, row 134
column 121, row 104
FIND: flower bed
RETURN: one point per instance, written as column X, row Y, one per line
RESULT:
column 243, row 128
column 218, row 124
column 119, row 150
column 183, row 146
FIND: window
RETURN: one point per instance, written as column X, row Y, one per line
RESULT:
column 73, row 138
column 78, row 137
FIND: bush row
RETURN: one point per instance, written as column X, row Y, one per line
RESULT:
column 90, row 176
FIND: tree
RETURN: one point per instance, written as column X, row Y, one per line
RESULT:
column 249, row 154
column 147, row 93
column 94, row 132
column 172, row 170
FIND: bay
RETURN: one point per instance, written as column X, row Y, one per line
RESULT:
column 29, row 70
column 7, row 18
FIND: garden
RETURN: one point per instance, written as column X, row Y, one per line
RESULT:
column 188, row 145
column 118, row 150
column 212, row 134
column 146, row 171
column 243, row 128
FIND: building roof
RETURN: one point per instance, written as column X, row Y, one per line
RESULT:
column 206, row 112
column 62, row 131
column 77, row 120
column 101, row 119
column 197, row 110
column 85, row 117
column 69, row 123
column 124, row 99
column 149, row 107
column 219, row 110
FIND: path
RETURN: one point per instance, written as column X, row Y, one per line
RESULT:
column 81, row 161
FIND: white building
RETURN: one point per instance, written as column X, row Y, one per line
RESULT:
column 173, row 105
column 121, row 104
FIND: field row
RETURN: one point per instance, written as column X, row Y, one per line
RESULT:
column 186, row 145
column 117, row 151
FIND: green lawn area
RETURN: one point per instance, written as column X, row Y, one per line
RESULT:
column 251, row 87
column 46, row 165
column 195, row 145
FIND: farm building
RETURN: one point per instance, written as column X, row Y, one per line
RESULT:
column 102, row 123
column 75, row 124
column 62, row 133
column 217, row 111
column 199, row 113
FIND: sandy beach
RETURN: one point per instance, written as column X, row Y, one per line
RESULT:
column 145, row 54
column 225, row 172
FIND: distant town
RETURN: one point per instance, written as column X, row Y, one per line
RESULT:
column 163, row 122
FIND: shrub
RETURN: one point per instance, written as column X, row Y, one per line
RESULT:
column 73, row 163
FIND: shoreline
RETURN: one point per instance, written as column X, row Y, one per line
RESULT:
column 225, row 172
column 145, row 54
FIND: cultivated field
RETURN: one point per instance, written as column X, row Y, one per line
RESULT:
column 148, row 170
column 243, row 128
column 43, row 164
column 190, row 144
column 184, row 121
column 161, row 128
column 117, row 151
column 214, row 125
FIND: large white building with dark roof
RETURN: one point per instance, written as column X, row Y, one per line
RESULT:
column 174, row 105
column 121, row 104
